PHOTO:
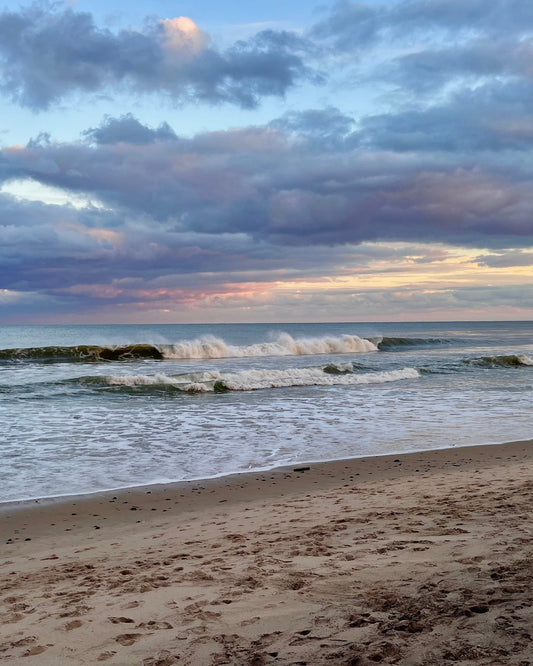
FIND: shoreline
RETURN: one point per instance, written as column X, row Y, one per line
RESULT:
column 57, row 499
column 416, row 558
column 204, row 494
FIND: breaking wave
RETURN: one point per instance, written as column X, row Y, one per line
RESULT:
column 504, row 361
column 283, row 345
column 207, row 347
column 253, row 380
column 211, row 347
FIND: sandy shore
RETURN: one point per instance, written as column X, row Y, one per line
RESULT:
column 411, row 559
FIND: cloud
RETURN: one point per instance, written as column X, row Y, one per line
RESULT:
column 82, row 258
column 47, row 54
column 52, row 248
column 318, row 194
column 102, row 262
column 128, row 129
column 428, row 70
column 324, row 128
column 491, row 117
column 506, row 259
column 353, row 26
column 422, row 51
column 421, row 46
column 275, row 187
column 184, row 37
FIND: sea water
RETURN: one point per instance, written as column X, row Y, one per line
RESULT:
column 88, row 408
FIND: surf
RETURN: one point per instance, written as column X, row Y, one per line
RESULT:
column 211, row 347
column 253, row 380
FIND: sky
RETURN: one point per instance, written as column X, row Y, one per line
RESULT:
column 185, row 162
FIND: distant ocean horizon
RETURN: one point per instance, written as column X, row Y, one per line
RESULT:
column 86, row 408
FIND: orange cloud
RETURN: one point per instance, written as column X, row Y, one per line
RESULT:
column 182, row 35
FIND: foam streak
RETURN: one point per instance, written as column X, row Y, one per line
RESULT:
column 251, row 380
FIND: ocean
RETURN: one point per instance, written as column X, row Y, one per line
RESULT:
column 89, row 408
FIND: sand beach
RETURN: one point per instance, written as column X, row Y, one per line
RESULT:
column 421, row 558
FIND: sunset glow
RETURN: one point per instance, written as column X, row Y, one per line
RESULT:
column 265, row 164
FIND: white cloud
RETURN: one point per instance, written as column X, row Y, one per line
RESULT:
column 30, row 190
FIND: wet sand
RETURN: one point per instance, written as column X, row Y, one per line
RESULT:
column 420, row 558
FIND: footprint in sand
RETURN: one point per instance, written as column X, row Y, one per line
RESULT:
column 75, row 624
column 13, row 600
column 133, row 604
column 152, row 624
column 105, row 655
column 13, row 617
column 128, row 639
column 24, row 641
column 32, row 652
column 76, row 611
column 164, row 658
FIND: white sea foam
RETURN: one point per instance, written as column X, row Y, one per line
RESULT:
column 251, row 380
column 525, row 360
column 71, row 432
column 283, row 345
column 178, row 382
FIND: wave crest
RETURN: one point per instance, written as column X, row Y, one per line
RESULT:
column 283, row 345
column 253, row 380
column 211, row 347
column 503, row 361
column 389, row 343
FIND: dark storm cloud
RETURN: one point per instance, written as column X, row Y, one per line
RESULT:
column 46, row 54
